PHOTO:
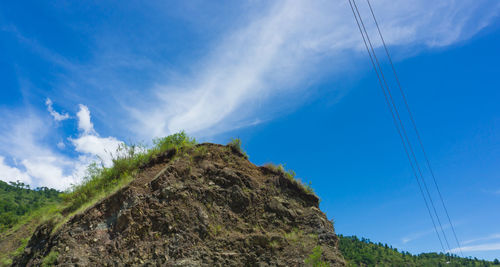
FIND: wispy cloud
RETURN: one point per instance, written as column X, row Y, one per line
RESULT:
column 431, row 231
column 263, row 66
column 478, row 247
column 57, row 116
column 486, row 238
column 417, row 235
column 482, row 247
column 282, row 49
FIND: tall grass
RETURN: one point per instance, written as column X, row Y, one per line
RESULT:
column 235, row 145
column 127, row 161
column 290, row 174
column 99, row 182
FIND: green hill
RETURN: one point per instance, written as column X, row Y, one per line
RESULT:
column 18, row 200
column 363, row 252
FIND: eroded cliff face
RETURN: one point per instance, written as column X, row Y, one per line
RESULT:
column 208, row 207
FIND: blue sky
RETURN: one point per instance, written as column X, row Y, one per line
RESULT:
column 290, row 78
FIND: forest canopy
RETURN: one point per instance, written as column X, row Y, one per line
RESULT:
column 17, row 199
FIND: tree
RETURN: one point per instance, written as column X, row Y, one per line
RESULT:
column 366, row 253
column 18, row 200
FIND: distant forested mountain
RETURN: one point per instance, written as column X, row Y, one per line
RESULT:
column 18, row 199
column 363, row 252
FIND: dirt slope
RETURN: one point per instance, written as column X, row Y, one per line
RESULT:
column 210, row 207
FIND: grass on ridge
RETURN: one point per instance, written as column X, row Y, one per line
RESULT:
column 126, row 163
column 291, row 175
column 235, row 145
column 98, row 183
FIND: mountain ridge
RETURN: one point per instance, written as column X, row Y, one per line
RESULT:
column 207, row 205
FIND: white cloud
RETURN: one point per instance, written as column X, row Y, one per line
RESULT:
column 283, row 48
column 57, row 116
column 89, row 142
column 23, row 138
column 84, row 123
column 490, row 237
column 417, row 235
column 12, row 174
column 61, row 145
column 246, row 78
column 103, row 148
column 430, row 231
column 482, row 247
column 49, row 171
column 262, row 68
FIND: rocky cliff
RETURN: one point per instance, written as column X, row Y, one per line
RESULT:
column 207, row 207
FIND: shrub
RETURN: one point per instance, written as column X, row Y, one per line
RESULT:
column 177, row 141
column 314, row 259
column 235, row 145
column 291, row 175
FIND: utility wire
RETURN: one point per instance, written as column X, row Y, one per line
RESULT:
column 406, row 138
column 402, row 126
column 396, row 124
column 414, row 126
column 403, row 129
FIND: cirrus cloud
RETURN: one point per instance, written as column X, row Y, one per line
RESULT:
column 282, row 49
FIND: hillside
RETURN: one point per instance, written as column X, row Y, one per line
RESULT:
column 186, row 205
column 179, row 203
column 21, row 210
column 18, row 200
column 366, row 253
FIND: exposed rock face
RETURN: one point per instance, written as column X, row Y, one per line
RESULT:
column 203, row 209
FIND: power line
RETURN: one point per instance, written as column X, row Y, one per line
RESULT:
column 402, row 126
column 395, row 123
column 414, row 126
column 405, row 138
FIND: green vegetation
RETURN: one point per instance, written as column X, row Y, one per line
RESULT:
column 298, row 238
column 235, row 145
column 314, row 259
column 50, row 259
column 17, row 200
column 24, row 208
column 290, row 174
column 7, row 259
column 366, row 253
column 294, row 236
column 20, row 249
column 101, row 181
